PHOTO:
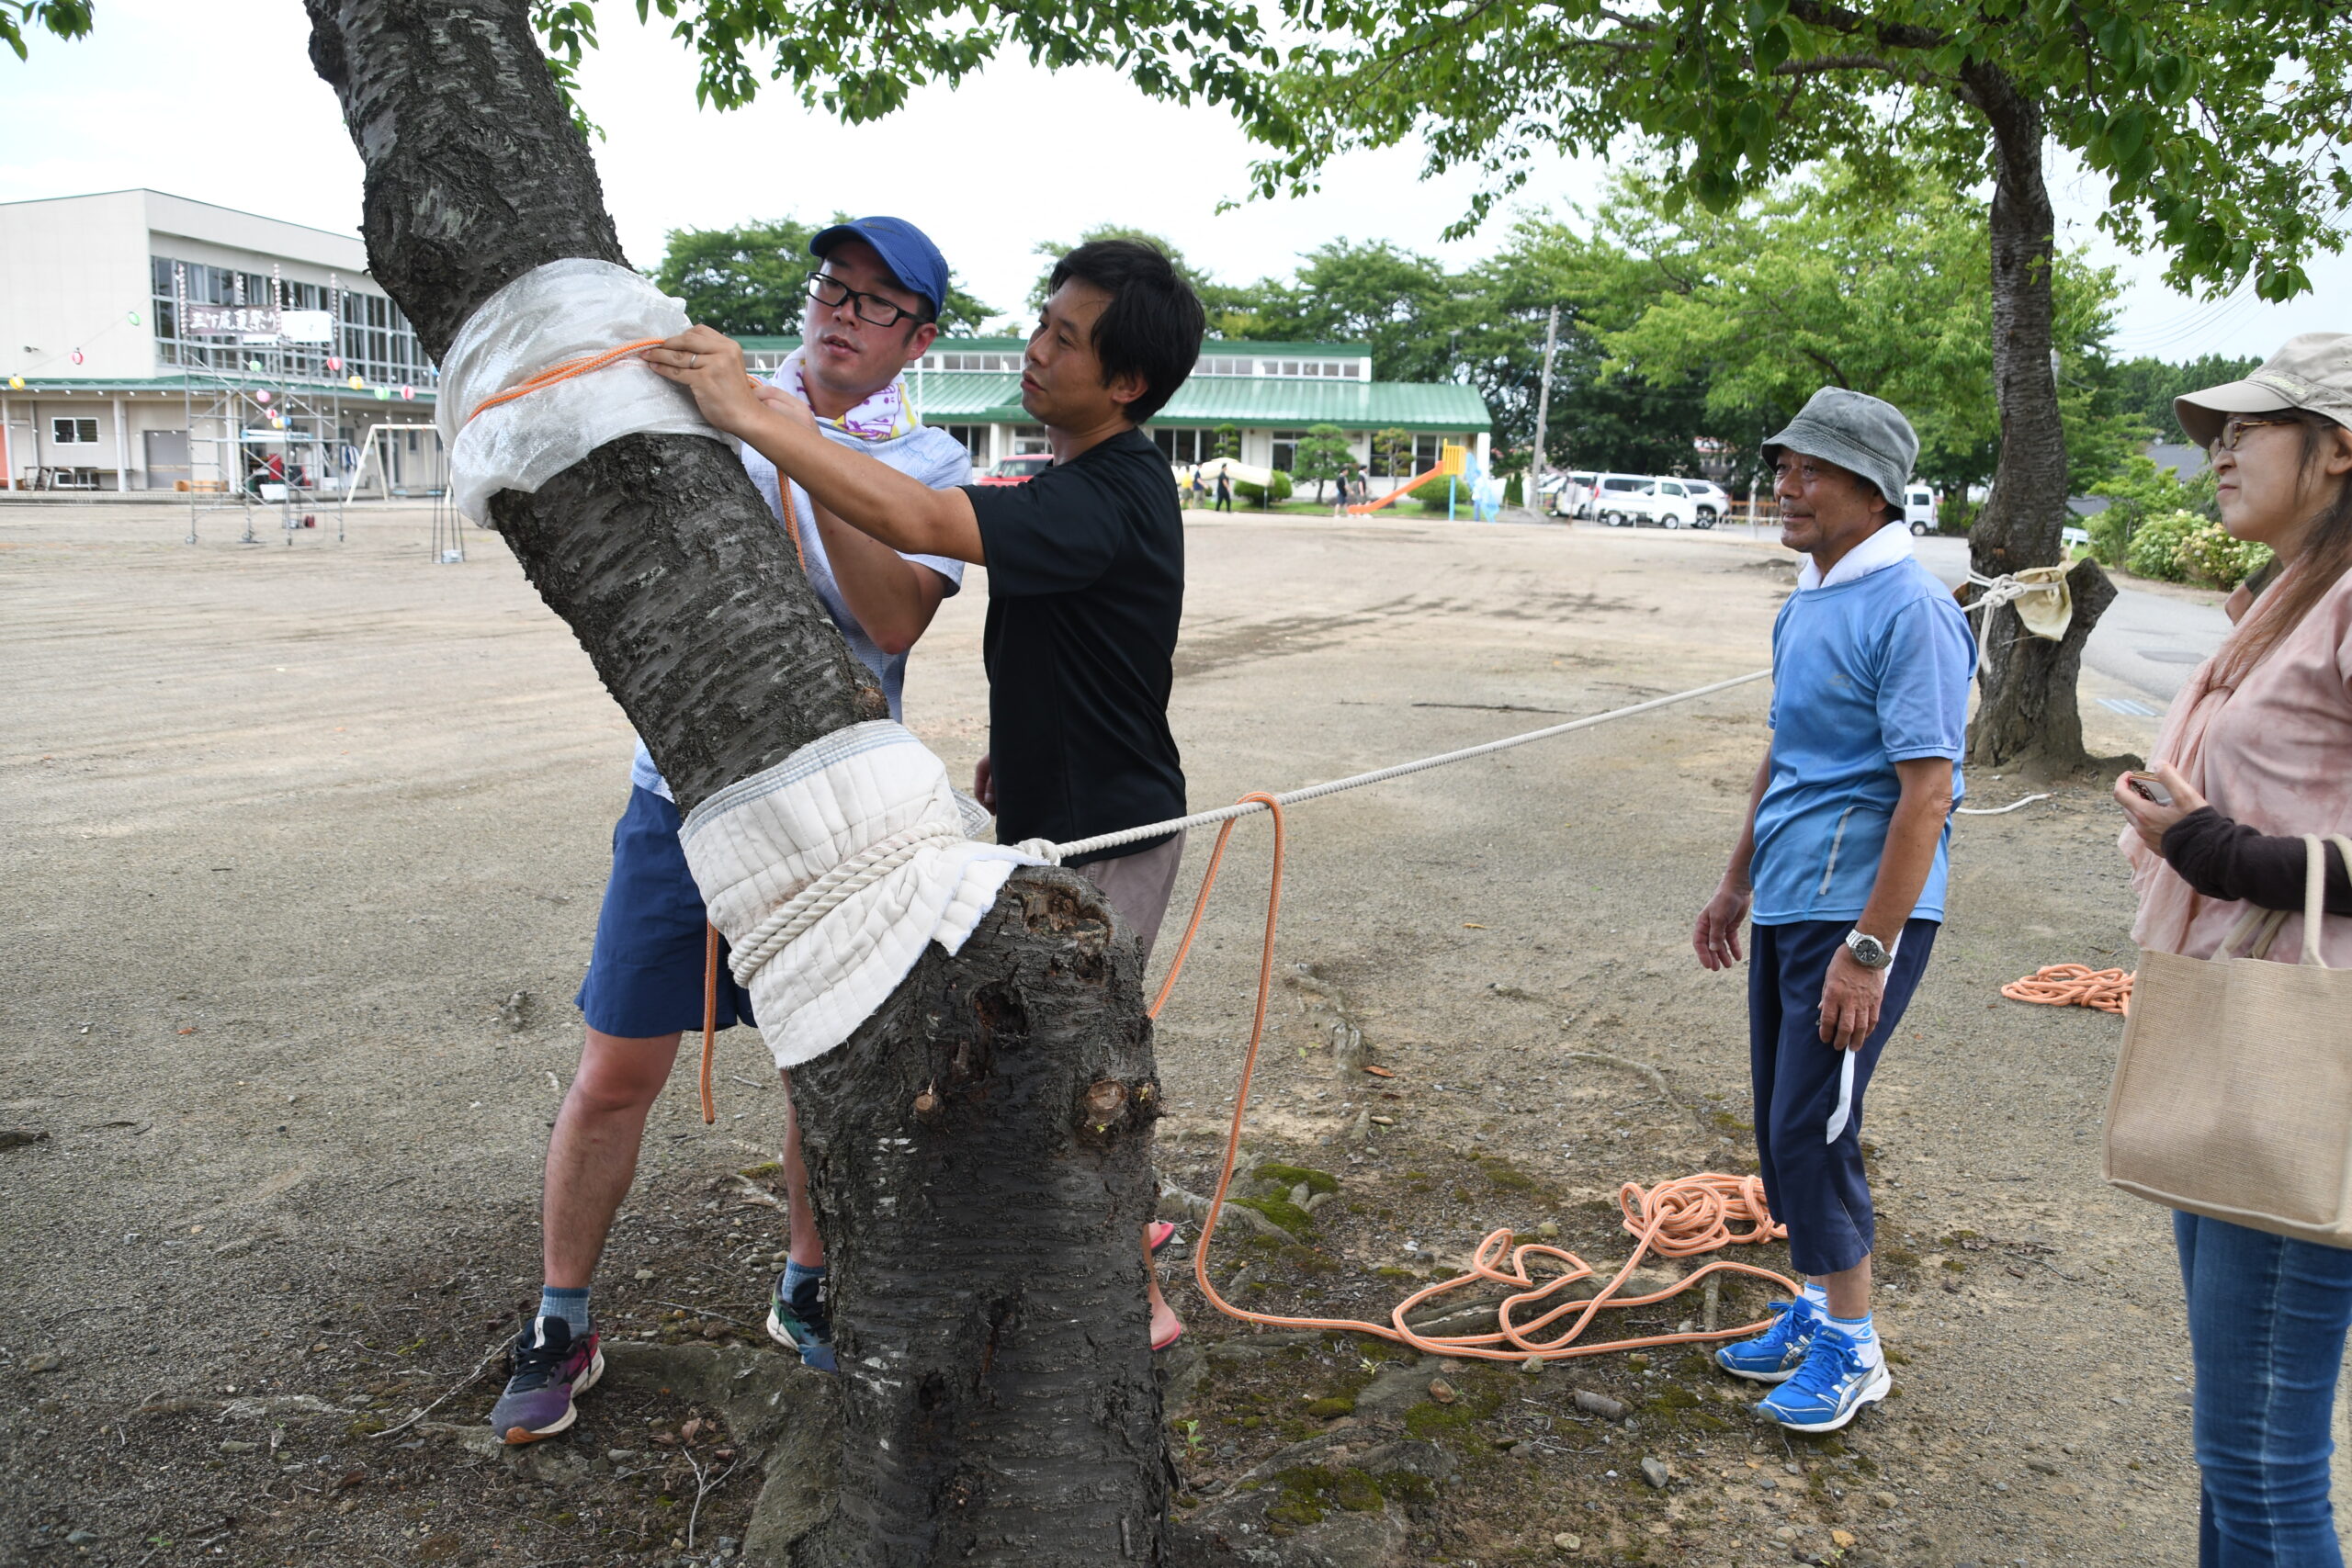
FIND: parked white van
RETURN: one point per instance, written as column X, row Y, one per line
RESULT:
column 1920, row 508
column 1615, row 497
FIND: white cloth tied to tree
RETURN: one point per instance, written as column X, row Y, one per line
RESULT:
column 2045, row 605
column 829, row 873
column 553, row 315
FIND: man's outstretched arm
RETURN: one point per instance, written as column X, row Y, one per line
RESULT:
column 871, row 497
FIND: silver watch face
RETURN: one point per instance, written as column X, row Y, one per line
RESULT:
column 1868, row 951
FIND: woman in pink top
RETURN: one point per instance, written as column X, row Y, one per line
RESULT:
column 2257, row 751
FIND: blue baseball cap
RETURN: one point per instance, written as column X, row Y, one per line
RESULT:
column 906, row 250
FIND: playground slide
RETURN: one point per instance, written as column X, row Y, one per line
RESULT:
column 1416, row 482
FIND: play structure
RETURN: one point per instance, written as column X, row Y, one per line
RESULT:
column 1466, row 479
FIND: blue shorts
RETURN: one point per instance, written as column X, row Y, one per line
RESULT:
column 645, row 973
column 1817, row 1186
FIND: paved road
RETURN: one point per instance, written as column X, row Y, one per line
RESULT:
column 2146, row 640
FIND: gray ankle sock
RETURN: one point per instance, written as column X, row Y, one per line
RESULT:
column 571, row 1306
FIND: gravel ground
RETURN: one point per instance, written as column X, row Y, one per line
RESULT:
column 303, row 848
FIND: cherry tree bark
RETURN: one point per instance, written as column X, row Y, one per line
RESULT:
column 980, row 1150
column 2028, row 715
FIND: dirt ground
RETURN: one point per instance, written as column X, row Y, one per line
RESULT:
column 302, row 848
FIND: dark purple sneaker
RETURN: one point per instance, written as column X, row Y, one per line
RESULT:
column 548, row 1370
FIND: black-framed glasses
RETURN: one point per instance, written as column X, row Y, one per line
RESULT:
column 2238, row 424
column 872, row 308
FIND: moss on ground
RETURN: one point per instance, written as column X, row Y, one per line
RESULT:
column 1298, row 1175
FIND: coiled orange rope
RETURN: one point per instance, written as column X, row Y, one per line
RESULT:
column 1681, row 1218
column 2075, row 985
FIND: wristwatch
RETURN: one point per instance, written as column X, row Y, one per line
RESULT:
column 1868, row 951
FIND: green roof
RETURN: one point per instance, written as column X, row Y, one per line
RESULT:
column 956, row 397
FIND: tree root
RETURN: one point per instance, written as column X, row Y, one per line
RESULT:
column 1656, row 1081
column 1195, row 1208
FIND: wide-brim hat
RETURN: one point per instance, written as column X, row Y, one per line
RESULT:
column 1855, row 430
column 2311, row 371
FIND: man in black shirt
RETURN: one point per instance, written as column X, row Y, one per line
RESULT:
column 1086, row 563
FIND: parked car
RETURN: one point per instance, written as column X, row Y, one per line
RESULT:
column 1920, row 508
column 1635, row 500
column 1017, row 470
column 1708, row 500
column 1615, row 497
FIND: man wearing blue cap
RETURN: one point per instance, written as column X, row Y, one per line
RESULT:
column 874, row 304
column 1841, row 866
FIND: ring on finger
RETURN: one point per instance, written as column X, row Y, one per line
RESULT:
column 694, row 361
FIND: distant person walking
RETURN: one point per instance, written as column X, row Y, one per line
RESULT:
column 1224, row 492
column 1842, row 865
column 2256, row 753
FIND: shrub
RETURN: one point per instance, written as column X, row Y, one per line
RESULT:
column 2139, row 492
column 2110, row 533
column 1955, row 512
column 2210, row 553
column 1515, row 490
column 1433, row 496
column 1265, row 495
column 2154, row 547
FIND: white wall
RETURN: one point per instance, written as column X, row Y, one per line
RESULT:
column 72, row 273
column 75, row 270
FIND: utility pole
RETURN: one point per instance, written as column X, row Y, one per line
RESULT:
column 1543, row 414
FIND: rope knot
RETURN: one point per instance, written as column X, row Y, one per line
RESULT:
column 797, row 915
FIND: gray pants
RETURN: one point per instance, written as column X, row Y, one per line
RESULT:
column 1137, row 886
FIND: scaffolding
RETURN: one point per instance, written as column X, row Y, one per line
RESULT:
column 265, row 433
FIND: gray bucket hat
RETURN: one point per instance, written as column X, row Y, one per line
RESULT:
column 1854, row 430
column 2310, row 371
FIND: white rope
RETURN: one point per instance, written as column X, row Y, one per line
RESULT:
column 789, row 920
column 1997, row 811
column 1995, row 592
column 1055, row 853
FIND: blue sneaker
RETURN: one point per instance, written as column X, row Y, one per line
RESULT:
column 1774, row 1355
column 1830, row 1389
column 802, row 1322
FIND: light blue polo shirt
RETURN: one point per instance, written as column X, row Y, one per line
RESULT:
column 1866, row 674
column 927, row 453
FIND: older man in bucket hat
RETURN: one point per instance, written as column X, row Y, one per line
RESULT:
column 1841, row 867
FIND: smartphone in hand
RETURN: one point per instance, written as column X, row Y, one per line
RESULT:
column 2150, row 789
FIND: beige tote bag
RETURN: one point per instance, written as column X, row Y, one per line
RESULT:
column 2232, row 1093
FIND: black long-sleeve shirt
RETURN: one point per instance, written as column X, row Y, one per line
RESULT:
column 2224, row 859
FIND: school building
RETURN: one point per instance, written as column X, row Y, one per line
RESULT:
column 1269, row 393
column 148, row 341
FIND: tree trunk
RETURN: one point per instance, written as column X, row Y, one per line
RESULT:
column 997, row 1400
column 2028, row 716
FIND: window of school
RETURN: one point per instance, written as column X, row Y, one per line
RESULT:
column 1287, row 448
column 1186, row 446
column 973, row 438
column 1029, row 441
column 74, row 431
column 365, row 331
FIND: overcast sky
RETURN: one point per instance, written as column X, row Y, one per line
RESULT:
column 217, row 102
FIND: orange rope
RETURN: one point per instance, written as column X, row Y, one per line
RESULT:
column 573, row 368
column 709, row 1017
column 1675, row 1219
column 2073, row 985
column 566, row 371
